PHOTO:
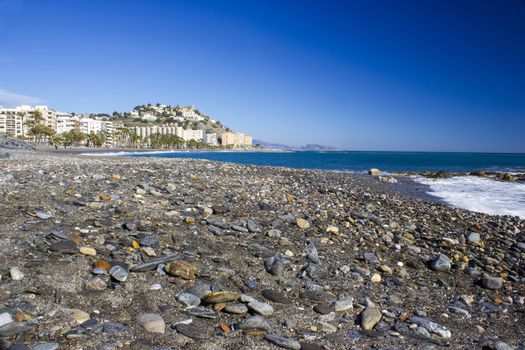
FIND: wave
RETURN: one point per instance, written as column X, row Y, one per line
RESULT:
column 479, row 194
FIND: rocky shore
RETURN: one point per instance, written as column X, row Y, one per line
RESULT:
column 146, row 253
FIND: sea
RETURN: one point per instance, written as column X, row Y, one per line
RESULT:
column 467, row 192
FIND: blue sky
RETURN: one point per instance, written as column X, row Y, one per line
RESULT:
column 416, row 75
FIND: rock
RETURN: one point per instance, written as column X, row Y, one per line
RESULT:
column 374, row 172
column 275, row 296
column 46, row 346
column 188, row 300
column 5, row 318
column 489, row 282
column 255, row 323
column 152, row 264
column 18, row 347
column 322, row 309
column 65, row 246
column 87, row 251
column 152, row 323
column 195, row 330
column 283, row 342
column 302, row 224
column 236, row 309
column 441, row 263
column 220, row 297
column 181, row 269
column 202, row 312
column 260, row 308
column 16, row 274
column 14, row 328
column 274, row 265
column 332, row 229
column 376, row 278
column 370, row 316
column 118, row 273
column 474, row 237
column 430, row 326
column 344, row 304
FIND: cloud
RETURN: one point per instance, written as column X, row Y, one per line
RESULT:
column 10, row 99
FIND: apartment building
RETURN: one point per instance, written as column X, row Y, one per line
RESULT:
column 236, row 139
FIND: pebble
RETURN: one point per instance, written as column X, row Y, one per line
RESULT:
column 333, row 230
column 220, row 297
column 46, row 346
column 441, row 263
column 255, row 323
column 87, row 251
column 188, row 299
column 376, row 278
column 152, row 323
column 260, row 308
column 195, row 330
column 303, row 224
column 118, row 273
column 236, row 309
column 181, row 269
column 490, row 282
column 16, row 274
column 370, row 316
column 275, row 296
column 430, row 326
column 5, row 318
column 344, row 304
column 283, row 342
column 474, row 237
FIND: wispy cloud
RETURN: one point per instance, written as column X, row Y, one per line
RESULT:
column 10, row 99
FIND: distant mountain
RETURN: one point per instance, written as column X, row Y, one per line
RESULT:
column 309, row 147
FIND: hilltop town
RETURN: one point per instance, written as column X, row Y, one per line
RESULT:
column 145, row 126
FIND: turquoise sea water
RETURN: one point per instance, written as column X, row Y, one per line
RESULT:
column 362, row 161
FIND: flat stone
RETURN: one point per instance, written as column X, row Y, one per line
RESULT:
column 78, row 315
column 489, row 282
column 65, row 246
column 152, row 323
column 275, row 296
column 344, row 304
column 195, row 330
column 318, row 296
column 431, row 326
column 220, row 297
column 46, row 346
column 260, row 308
column 18, row 347
column 236, row 309
column 188, row 299
column 322, row 309
column 14, row 328
column 5, row 318
column 332, row 229
column 253, row 323
column 283, row 342
column 181, row 269
column 202, row 312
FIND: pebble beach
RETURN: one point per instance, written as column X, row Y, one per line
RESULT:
column 150, row 253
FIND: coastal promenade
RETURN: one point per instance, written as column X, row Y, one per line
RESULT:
column 149, row 253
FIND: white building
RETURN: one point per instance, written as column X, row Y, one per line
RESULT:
column 211, row 139
column 189, row 113
column 149, row 117
column 91, row 126
column 190, row 134
column 65, row 122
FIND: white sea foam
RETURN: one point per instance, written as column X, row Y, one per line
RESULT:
column 479, row 194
